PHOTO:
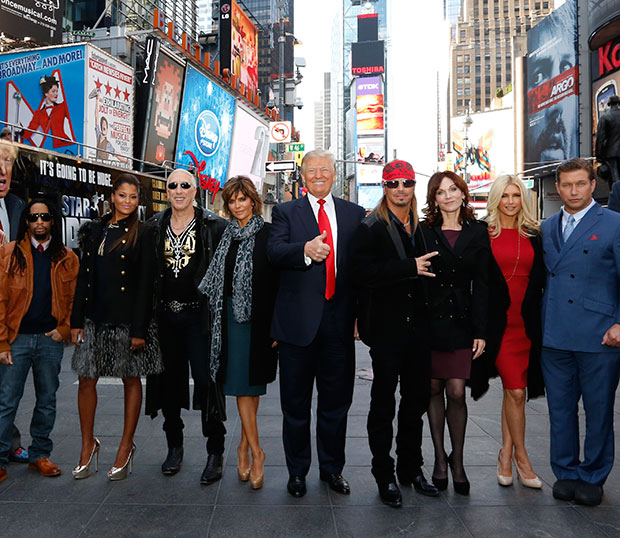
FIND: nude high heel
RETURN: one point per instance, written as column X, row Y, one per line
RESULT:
column 535, row 483
column 120, row 473
column 257, row 481
column 244, row 474
column 83, row 471
column 501, row 479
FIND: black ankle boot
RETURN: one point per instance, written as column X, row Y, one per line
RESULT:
column 213, row 470
column 172, row 465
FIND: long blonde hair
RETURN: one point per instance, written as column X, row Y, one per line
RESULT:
column 526, row 222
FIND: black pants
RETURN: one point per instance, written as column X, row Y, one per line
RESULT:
column 412, row 365
column 182, row 341
column 330, row 359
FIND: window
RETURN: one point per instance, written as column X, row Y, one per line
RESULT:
column 487, row 102
column 477, row 32
column 487, row 90
column 477, row 81
column 459, row 102
column 518, row 30
column 459, row 70
column 498, row 67
column 466, row 69
column 462, row 34
column 466, row 57
column 478, row 104
column 466, row 80
column 498, row 79
column 459, row 81
column 459, row 58
column 477, row 58
column 477, row 69
column 508, row 78
column 536, row 5
column 467, row 91
column 545, row 5
column 459, row 91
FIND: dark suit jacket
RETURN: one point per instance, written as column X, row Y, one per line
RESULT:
column 614, row 198
column 14, row 207
column 499, row 301
column 301, row 294
column 608, row 134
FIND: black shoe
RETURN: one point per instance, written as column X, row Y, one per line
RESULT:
column 172, row 465
column 588, row 494
column 564, row 490
column 462, row 488
column 213, row 470
column 440, row 483
column 296, row 486
column 416, row 479
column 390, row 494
column 336, row 482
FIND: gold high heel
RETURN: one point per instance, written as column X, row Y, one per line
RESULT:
column 244, row 474
column 83, row 471
column 257, row 481
column 120, row 473
column 535, row 483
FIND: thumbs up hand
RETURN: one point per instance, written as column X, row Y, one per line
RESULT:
column 317, row 250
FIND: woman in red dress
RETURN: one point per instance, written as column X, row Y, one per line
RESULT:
column 516, row 284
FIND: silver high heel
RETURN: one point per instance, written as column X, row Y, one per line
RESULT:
column 83, row 471
column 120, row 473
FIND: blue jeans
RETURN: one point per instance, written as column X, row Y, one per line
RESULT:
column 44, row 355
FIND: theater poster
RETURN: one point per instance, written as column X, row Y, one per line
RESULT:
column 552, row 125
column 205, row 129
column 42, row 92
column 109, row 109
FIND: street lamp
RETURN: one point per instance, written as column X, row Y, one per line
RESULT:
column 467, row 123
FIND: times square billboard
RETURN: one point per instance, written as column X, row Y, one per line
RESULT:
column 78, row 94
column 605, row 64
column 552, row 124
column 39, row 20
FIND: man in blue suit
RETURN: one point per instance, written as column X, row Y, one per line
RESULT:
column 313, row 321
column 581, row 333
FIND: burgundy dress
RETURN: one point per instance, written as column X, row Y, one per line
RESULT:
column 515, row 256
column 454, row 364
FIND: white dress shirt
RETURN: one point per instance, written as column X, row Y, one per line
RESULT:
column 330, row 210
column 577, row 216
column 4, row 218
column 36, row 243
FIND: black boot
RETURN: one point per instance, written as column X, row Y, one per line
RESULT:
column 213, row 470
column 172, row 465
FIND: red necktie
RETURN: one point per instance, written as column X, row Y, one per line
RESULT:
column 330, row 265
column 40, row 248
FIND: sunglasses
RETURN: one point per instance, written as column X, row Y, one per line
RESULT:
column 184, row 185
column 393, row 183
column 34, row 217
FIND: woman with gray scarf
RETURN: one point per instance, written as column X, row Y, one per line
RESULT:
column 241, row 287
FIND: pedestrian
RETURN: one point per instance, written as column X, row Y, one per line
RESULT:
column 241, row 286
column 313, row 321
column 607, row 145
column 458, row 303
column 516, row 283
column 581, row 333
column 11, row 208
column 389, row 264
column 185, row 241
column 37, row 283
column 112, row 322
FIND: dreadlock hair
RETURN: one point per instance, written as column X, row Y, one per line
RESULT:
column 56, row 249
column 131, row 236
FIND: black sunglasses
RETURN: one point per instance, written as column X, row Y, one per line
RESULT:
column 34, row 217
column 393, row 183
column 184, row 185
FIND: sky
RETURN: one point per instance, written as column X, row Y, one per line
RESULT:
column 419, row 49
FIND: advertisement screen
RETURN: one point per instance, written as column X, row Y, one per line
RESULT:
column 250, row 146
column 165, row 79
column 109, row 109
column 367, row 57
column 369, row 174
column 370, row 118
column 43, row 91
column 205, row 127
column 40, row 20
column 606, row 79
column 371, row 150
column 244, row 48
column 368, row 196
column 552, row 125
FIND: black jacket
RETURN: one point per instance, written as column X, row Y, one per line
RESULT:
column 458, row 295
column 129, row 290
column 263, row 357
column 499, row 301
column 392, row 304
column 608, row 134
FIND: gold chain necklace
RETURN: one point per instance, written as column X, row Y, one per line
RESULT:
column 514, row 269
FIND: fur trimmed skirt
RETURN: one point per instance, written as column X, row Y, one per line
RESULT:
column 106, row 352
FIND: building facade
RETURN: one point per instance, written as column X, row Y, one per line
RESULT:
column 322, row 116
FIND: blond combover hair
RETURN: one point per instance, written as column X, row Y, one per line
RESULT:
column 526, row 222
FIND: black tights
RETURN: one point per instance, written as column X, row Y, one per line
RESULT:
column 455, row 412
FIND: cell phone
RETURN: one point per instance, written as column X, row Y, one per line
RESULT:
column 602, row 97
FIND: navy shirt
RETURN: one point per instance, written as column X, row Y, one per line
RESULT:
column 39, row 317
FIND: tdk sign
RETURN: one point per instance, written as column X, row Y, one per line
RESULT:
column 207, row 133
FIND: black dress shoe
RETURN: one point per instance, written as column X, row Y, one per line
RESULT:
column 336, row 482
column 588, row 494
column 296, row 486
column 172, row 465
column 423, row 487
column 390, row 494
column 213, row 470
column 564, row 490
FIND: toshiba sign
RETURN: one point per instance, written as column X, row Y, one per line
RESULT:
column 367, row 57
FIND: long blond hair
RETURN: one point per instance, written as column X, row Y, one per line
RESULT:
column 526, row 222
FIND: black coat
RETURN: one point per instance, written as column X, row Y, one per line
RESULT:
column 458, row 295
column 608, row 134
column 263, row 357
column 129, row 289
column 392, row 304
column 499, row 301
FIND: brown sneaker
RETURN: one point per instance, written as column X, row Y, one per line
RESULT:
column 45, row 467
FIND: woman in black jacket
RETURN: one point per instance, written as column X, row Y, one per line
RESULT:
column 111, row 321
column 517, row 279
column 458, row 299
column 243, row 355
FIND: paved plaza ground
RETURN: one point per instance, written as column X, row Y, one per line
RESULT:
column 149, row 504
